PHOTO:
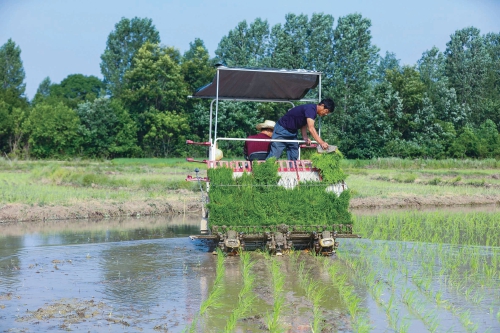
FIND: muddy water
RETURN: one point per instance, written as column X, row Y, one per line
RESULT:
column 133, row 275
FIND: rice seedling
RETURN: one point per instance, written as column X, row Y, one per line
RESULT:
column 278, row 281
column 315, row 293
column 349, row 297
column 213, row 300
column 245, row 296
column 466, row 321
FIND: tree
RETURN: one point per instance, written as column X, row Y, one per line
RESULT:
column 196, row 66
column 319, row 44
column 53, row 130
column 353, row 67
column 11, row 68
column 244, row 46
column 388, row 62
column 492, row 104
column 121, row 47
column 13, row 104
column 43, row 91
column 431, row 67
column 467, row 144
column 288, row 43
column 104, row 129
column 489, row 139
column 411, row 90
column 446, row 106
column 75, row 89
column 154, row 81
column 167, row 130
column 467, row 61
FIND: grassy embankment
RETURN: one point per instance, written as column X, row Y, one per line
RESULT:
column 59, row 189
column 397, row 182
column 122, row 183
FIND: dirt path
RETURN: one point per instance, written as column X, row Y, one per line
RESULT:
column 191, row 206
column 428, row 201
column 98, row 209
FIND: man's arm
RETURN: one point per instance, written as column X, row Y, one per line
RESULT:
column 312, row 130
column 303, row 129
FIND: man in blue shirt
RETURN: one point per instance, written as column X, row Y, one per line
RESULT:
column 300, row 117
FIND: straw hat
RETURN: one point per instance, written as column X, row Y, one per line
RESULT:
column 266, row 124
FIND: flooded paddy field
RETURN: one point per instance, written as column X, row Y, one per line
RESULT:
column 413, row 271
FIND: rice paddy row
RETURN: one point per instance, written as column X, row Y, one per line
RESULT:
column 413, row 271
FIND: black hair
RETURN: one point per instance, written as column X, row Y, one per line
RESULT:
column 328, row 104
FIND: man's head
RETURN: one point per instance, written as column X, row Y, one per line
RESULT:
column 266, row 127
column 325, row 107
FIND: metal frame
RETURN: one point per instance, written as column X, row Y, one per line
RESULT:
column 213, row 140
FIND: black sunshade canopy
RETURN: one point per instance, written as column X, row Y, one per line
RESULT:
column 260, row 84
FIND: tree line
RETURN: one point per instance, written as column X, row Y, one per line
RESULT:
column 445, row 105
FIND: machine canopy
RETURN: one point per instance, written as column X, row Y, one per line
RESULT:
column 260, row 84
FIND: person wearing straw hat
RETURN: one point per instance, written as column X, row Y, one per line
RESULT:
column 258, row 150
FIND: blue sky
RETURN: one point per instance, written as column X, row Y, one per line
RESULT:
column 62, row 37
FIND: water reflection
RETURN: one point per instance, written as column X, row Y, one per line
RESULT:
column 140, row 268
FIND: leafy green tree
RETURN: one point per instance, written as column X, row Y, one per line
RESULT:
column 411, row 90
column 13, row 103
column 447, row 107
column 18, row 137
column 431, row 67
column 43, row 91
column 167, row 131
column 371, row 129
column 196, row 66
column 245, row 45
column 155, row 81
column 53, row 130
column 491, row 104
column 353, row 68
column 75, row 89
column 489, row 139
column 428, row 133
column 319, row 45
column 444, row 98
column 12, row 109
column 388, row 62
column 466, row 145
column 106, row 129
column 122, row 45
column 11, row 68
column 467, row 61
column 288, row 43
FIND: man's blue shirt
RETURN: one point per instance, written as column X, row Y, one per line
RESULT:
column 296, row 117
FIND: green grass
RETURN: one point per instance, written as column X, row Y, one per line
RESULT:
column 422, row 164
column 435, row 227
column 49, row 182
column 67, row 182
column 387, row 183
